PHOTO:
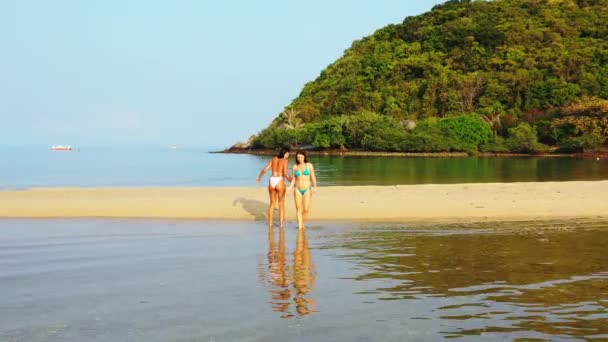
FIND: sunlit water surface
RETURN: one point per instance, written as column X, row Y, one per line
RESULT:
column 145, row 280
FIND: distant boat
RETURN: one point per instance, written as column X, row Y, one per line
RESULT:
column 173, row 147
column 61, row 148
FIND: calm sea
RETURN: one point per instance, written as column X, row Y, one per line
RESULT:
column 191, row 167
column 147, row 280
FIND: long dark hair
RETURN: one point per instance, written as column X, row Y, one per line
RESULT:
column 282, row 152
column 302, row 153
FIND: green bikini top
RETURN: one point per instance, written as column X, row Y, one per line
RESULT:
column 306, row 172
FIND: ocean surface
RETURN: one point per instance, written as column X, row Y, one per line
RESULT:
column 190, row 167
column 147, row 280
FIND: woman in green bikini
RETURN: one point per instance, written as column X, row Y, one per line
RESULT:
column 305, row 184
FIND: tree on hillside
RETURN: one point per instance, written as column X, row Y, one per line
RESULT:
column 502, row 60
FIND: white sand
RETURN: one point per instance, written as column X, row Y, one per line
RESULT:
column 353, row 203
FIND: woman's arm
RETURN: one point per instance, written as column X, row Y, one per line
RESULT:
column 313, row 177
column 286, row 174
column 264, row 170
column 293, row 182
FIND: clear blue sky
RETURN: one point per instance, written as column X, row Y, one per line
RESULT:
column 192, row 73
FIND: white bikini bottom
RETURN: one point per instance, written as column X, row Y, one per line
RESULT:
column 274, row 181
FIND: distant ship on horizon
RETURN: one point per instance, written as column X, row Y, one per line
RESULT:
column 61, row 148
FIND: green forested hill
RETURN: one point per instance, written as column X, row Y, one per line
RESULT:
column 503, row 75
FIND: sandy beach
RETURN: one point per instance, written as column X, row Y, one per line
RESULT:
column 352, row 203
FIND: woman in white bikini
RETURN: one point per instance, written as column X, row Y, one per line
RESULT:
column 276, row 184
column 305, row 184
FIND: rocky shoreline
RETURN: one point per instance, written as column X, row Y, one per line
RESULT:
column 357, row 153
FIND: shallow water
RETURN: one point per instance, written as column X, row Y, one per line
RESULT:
column 163, row 167
column 145, row 280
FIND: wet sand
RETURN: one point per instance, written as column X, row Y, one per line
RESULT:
column 475, row 202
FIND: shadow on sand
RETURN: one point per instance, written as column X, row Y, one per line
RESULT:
column 257, row 209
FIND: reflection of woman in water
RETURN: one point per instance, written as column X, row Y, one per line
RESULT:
column 276, row 184
column 303, row 275
column 278, row 274
column 305, row 184
column 281, row 276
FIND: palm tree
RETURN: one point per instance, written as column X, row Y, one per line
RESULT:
column 291, row 120
column 494, row 121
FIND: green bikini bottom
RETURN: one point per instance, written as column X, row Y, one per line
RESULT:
column 303, row 191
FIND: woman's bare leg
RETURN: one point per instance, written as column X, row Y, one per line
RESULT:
column 273, row 202
column 297, row 196
column 281, row 194
column 306, row 205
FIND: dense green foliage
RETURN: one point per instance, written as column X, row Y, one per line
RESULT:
column 472, row 75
